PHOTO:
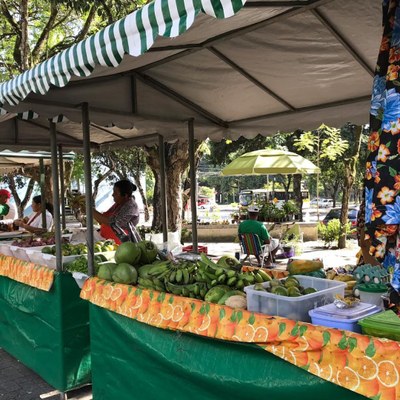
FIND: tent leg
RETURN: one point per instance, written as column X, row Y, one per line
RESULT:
column 164, row 211
column 42, row 191
column 56, row 194
column 88, row 187
column 62, row 186
column 193, row 185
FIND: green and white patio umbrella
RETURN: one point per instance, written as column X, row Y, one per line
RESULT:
column 270, row 162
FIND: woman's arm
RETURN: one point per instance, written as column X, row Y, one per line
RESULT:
column 101, row 218
column 29, row 228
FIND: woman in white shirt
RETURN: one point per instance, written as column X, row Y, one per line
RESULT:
column 33, row 223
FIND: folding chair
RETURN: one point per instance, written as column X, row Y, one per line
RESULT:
column 251, row 246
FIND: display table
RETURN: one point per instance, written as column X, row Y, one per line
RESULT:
column 131, row 356
column 44, row 323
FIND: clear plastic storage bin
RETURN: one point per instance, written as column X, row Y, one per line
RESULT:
column 342, row 318
column 296, row 308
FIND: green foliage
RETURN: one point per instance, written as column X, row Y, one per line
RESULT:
column 52, row 27
column 330, row 233
column 207, row 191
column 324, row 142
column 290, row 208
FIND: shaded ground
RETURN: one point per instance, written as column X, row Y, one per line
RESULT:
column 18, row 382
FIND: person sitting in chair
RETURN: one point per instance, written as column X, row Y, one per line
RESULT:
column 251, row 225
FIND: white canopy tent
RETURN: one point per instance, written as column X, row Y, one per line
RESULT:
column 265, row 66
column 275, row 65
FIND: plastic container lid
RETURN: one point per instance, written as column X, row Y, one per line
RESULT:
column 373, row 287
column 357, row 312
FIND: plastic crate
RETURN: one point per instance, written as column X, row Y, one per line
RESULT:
column 200, row 249
column 296, row 308
column 5, row 249
column 20, row 252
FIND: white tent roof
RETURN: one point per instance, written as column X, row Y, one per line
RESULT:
column 275, row 65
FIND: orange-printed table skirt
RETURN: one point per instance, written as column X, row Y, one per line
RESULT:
column 363, row 364
column 37, row 276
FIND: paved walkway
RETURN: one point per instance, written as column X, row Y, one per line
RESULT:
column 18, row 382
column 331, row 257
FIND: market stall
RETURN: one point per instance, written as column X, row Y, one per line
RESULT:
column 227, row 95
column 43, row 322
column 161, row 346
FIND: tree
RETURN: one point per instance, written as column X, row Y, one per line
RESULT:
column 177, row 163
column 353, row 133
column 34, row 30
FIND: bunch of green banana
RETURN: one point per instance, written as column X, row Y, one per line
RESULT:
column 152, row 284
column 195, row 290
column 213, row 274
column 182, row 273
column 151, row 276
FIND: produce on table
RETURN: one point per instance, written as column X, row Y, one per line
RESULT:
column 298, row 267
column 69, row 249
column 285, row 287
column 149, row 251
column 129, row 253
column 202, row 279
column 80, row 264
column 34, row 241
column 124, row 273
column 237, row 301
column 229, row 262
column 228, row 295
column 106, row 271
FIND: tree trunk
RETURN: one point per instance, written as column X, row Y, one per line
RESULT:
column 24, row 44
column 136, row 177
column 350, row 173
column 97, row 182
column 20, row 204
column 177, row 161
column 297, row 195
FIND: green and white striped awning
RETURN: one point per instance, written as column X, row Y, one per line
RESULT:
column 132, row 35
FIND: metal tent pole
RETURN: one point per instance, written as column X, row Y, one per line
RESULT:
column 42, row 191
column 164, row 211
column 88, row 186
column 62, row 186
column 193, row 185
column 56, row 194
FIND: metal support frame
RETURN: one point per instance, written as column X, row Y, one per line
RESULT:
column 88, row 187
column 56, row 194
column 193, row 184
column 42, row 186
column 62, row 186
column 163, row 196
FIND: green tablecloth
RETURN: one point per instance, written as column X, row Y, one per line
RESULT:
column 47, row 331
column 132, row 360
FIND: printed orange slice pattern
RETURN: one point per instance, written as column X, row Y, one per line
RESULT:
column 366, row 365
column 37, row 276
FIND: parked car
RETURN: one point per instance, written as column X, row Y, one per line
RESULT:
column 334, row 213
column 322, row 202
